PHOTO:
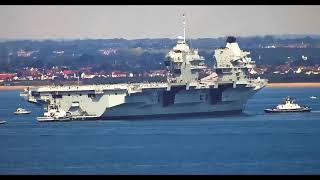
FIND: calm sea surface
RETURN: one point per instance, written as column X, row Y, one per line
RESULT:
column 251, row 143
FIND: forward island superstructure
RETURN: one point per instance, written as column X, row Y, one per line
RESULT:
column 223, row 92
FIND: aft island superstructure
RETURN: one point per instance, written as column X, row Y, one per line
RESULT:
column 223, row 92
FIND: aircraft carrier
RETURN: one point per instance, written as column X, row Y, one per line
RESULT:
column 224, row 91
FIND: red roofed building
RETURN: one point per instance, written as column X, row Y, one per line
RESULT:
column 35, row 73
column 7, row 76
column 154, row 73
column 118, row 74
column 68, row 72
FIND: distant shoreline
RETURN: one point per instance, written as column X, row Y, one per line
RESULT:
column 270, row 85
column 295, row 85
column 13, row 87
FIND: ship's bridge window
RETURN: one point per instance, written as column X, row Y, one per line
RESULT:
column 226, row 70
column 219, row 71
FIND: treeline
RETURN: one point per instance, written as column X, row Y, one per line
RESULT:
column 87, row 45
column 144, row 54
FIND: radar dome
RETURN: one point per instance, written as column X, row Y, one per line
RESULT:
column 231, row 39
column 180, row 37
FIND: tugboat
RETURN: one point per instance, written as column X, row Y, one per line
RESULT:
column 20, row 111
column 54, row 113
column 288, row 105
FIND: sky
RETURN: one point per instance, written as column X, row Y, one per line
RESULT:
column 146, row 21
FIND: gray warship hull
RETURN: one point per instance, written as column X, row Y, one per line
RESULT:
column 181, row 103
column 147, row 100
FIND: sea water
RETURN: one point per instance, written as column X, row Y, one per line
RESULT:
column 251, row 143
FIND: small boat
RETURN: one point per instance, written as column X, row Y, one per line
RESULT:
column 2, row 122
column 288, row 105
column 21, row 111
column 313, row 97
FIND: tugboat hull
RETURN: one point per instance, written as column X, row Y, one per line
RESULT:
column 50, row 119
column 21, row 113
column 287, row 110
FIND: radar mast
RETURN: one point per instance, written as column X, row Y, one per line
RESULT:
column 184, row 27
